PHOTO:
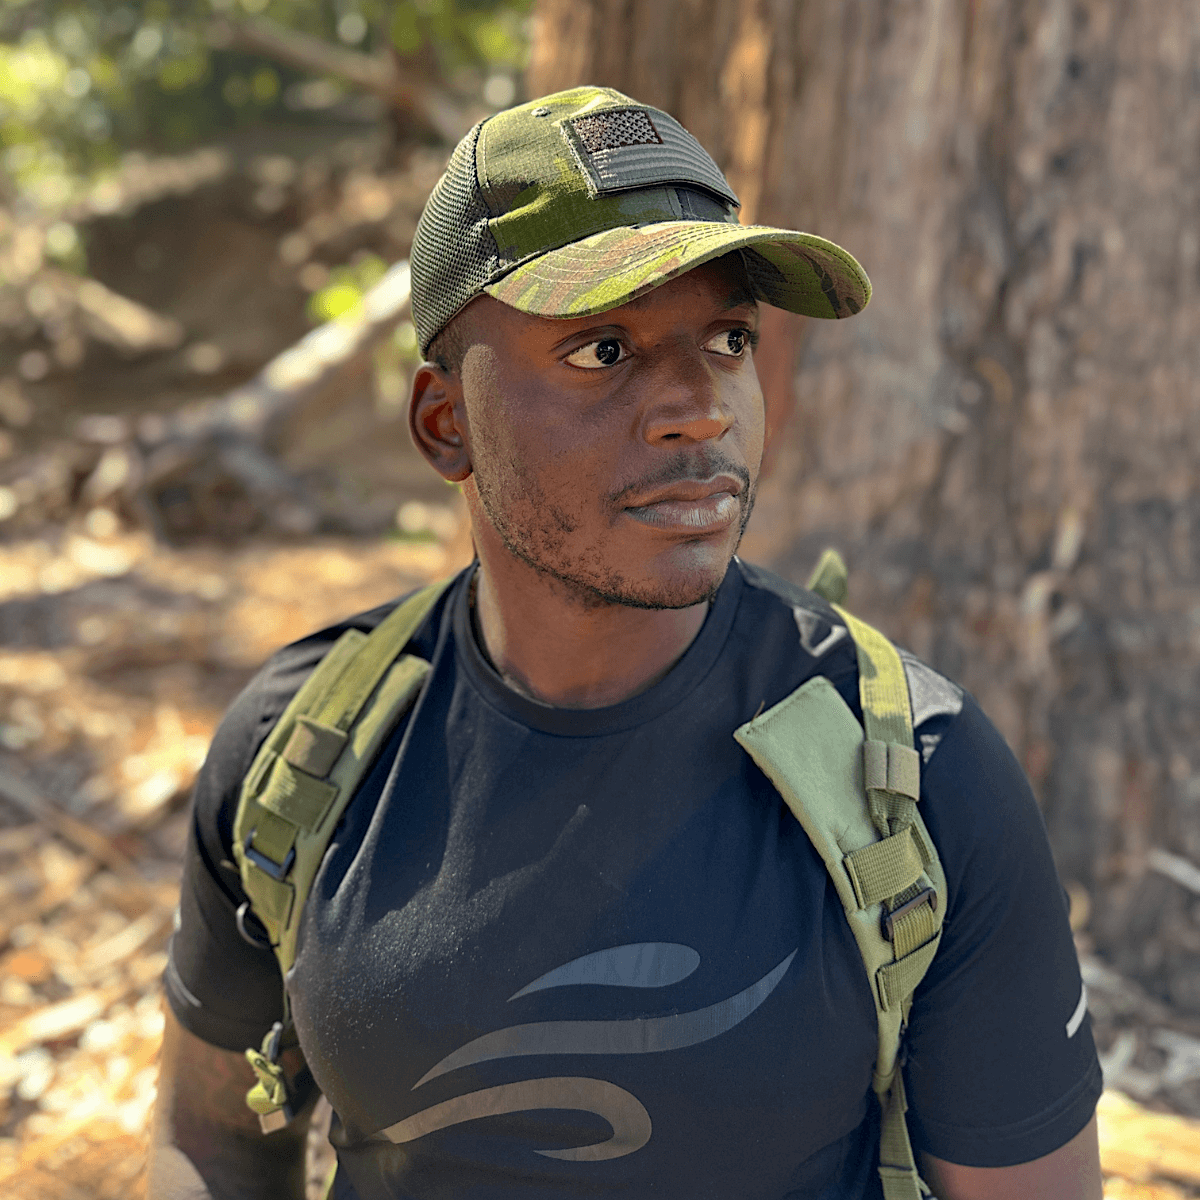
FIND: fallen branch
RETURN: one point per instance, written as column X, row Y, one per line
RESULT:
column 216, row 462
column 376, row 74
column 229, row 444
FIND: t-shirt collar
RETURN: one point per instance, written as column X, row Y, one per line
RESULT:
column 695, row 663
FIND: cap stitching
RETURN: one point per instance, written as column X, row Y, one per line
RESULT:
column 482, row 180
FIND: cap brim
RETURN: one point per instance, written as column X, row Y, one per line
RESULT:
column 799, row 272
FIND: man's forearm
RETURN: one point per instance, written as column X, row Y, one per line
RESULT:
column 205, row 1144
column 1072, row 1172
column 224, row 1168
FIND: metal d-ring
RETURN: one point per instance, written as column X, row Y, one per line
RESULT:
column 245, row 914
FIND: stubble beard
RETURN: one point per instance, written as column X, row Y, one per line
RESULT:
column 535, row 532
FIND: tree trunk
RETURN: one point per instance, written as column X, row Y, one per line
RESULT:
column 1006, row 444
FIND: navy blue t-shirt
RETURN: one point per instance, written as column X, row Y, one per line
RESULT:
column 565, row 953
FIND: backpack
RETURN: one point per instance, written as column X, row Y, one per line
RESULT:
column 854, row 789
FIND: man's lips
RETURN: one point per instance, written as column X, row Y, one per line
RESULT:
column 688, row 489
column 691, row 505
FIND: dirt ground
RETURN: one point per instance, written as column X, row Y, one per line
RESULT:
column 117, row 663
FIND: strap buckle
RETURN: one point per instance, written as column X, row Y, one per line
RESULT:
column 276, row 1099
column 928, row 896
column 277, row 871
column 299, row 1092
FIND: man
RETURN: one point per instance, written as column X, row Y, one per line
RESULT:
column 567, row 939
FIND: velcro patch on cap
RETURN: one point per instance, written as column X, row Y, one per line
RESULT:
column 624, row 148
column 615, row 128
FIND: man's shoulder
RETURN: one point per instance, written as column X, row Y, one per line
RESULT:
column 814, row 621
column 249, row 720
column 285, row 672
column 821, row 634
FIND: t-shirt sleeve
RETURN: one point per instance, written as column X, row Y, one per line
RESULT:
column 1001, row 1066
column 222, row 988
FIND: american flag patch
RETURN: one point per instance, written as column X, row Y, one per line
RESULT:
column 614, row 128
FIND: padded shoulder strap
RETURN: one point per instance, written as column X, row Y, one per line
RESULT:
column 314, row 759
column 856, row 798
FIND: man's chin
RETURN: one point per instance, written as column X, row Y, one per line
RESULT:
column 673, row 586
column 651, row 577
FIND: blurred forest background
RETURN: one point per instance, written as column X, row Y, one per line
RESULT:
column 205, row 211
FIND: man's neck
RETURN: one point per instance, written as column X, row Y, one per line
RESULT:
column 549, row 646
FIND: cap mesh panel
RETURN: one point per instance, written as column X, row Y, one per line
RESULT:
column 453, row 251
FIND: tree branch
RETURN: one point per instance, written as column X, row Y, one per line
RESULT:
column 376, row 74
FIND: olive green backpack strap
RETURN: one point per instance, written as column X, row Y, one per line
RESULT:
column 830, row 579
column 299, row 785
column 856, row 797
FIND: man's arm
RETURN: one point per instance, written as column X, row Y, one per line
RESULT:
column 205, row 1144
column 1072, row 1172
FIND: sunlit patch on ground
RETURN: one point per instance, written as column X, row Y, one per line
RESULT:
column 110, row 686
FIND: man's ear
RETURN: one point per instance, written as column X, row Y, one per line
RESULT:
column 437, row 421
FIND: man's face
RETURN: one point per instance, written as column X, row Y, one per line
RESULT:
column 618, row 454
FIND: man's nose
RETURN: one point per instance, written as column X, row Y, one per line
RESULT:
column 685, row 400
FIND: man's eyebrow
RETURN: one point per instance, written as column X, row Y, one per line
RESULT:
column 738, row 297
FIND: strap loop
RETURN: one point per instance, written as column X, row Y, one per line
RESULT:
column 314, row 747
column 296, row 796
column 891, row 767
column 896, row 981
column 884, row 869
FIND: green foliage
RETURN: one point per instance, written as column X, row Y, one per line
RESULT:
column 343, row 294
column 83, row 81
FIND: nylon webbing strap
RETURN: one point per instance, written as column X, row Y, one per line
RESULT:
column 884, row 869
column 897, row 1163
column 829, row 578
column 882, row 684
column 892, row 871
column 914, row 928
column 362, row 676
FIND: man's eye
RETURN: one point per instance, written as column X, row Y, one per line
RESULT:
column 730, row 342
column 604, row 353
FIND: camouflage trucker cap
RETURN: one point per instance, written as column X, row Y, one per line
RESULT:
column 581, row 201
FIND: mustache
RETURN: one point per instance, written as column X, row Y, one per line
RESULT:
column 686, row 466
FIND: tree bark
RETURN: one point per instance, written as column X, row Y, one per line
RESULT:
column 1006, row 444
